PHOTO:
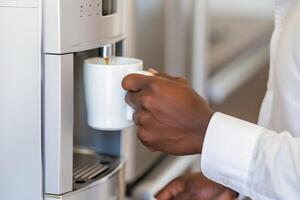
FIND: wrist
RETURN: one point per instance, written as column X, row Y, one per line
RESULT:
column 205, row 125
column 207, row 121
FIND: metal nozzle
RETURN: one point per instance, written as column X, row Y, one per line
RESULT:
column 108, row 52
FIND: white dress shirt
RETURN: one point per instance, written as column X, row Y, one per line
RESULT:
column 263, row 161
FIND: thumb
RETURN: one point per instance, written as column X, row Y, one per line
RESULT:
column 170, row 77
column 135, row 82
column 159, row 74
column 171, row 190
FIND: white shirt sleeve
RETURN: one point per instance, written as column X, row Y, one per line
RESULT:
column 252, row 160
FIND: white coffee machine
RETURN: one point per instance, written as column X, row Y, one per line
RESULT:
column 47, row 150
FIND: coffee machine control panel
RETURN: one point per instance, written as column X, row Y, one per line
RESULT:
column 78, row 25
column 97, row 8
column 90, row 8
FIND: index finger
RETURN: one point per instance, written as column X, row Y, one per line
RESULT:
column 135, row 82
column 170, row 191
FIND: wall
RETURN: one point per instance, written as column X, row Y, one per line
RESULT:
column 253, row 8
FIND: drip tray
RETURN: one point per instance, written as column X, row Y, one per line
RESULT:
column 90, row 167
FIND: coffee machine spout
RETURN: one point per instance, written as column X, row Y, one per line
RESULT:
column 108, row 52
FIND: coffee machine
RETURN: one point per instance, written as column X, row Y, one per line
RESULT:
column 80, row 162
column 52, row 152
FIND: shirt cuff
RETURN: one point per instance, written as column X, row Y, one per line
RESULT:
column 228, row 149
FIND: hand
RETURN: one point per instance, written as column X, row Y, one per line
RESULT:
column 195, row 187
column 171, row 117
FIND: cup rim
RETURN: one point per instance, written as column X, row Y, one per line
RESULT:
column 96, row 61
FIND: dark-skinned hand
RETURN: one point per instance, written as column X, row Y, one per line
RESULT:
column 195, row 187
column 171, row 117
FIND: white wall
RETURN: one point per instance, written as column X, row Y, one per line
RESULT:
column 150, row 32
column 252, row 8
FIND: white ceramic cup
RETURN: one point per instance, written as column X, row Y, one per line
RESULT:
column 104, row 95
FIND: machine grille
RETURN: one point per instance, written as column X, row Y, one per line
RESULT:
column 89, row 167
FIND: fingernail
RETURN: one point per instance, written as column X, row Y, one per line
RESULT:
column 153, row 71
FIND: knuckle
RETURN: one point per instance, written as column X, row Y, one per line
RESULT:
column 140, row 118
column 145, row 138
column 147, row 101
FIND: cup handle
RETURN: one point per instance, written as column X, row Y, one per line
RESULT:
column 130, row 110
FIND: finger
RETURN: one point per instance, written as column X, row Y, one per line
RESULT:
column 182, row 80
column 143, row 118
column 163, row 75
column 141, row 99
column 146, row 138
column 135, row 82
column 171, row 190
column 131, row 99
column 184, row 195
column 174, row 78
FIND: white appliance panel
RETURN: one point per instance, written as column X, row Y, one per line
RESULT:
column 58, row 133
column 78, row 25
column 19, row 3
column 20, row 104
